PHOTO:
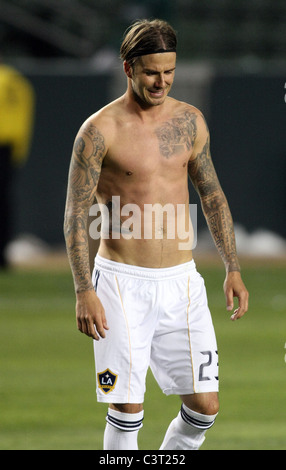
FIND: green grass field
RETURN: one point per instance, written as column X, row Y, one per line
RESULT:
column 47, row 382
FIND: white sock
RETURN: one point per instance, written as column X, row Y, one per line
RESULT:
column 187, row 430
column 121, row 431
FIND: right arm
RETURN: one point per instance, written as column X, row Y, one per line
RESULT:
column 88, row 153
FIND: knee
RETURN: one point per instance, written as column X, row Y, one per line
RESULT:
column 127, row 407
column 203, row 403
column 211, row 407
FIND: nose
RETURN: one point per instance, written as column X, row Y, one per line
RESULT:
column 160, row 81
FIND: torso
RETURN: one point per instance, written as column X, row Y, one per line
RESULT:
column 147, row 163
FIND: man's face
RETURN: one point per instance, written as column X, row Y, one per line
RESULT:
column 152, row 77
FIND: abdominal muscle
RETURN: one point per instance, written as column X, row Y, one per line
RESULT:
column 145, row 253
column 152, row 240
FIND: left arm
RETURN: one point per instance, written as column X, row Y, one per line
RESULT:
column 217, row 213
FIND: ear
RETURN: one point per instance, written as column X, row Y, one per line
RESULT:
column 127, row 69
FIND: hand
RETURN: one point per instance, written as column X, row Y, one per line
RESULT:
column 234, row 287
column 90, row 315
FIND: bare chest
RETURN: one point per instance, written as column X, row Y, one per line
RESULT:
column 146, row 149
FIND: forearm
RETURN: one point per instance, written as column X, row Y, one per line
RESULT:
column 76, row 236
column 220, row 223
column 85, row 168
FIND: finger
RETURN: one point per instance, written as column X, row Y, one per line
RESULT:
column 101, row 330
column 243, row 303
column 104, row 322
column 94, row 334
column 236, row 315
column 85, row 327
column 78, row 322
column 81, row 325
column 101, row 325
column 229, row 300
column 91, row 330
column 239, row 312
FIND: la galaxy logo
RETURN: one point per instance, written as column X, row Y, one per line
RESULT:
column 106, row 381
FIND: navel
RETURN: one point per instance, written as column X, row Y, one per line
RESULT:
column 129, row 173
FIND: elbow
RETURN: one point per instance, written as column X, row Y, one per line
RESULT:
column 68, row 225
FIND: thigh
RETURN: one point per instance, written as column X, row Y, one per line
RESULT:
column 184, row 353
column 122, row 358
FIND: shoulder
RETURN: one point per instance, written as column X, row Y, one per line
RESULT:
column 90, row 139
column 189, row 113
column 198, row 121
column 100, row 126
column 195, row 124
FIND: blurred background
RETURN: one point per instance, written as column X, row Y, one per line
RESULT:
column 231, row 65
column 59, row 64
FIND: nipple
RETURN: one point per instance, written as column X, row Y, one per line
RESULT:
column 129, row 173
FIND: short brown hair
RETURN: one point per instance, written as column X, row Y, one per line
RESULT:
column 147, row 37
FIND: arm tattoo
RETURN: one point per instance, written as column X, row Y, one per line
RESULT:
column 88, row 153
column 215, row 206
column 177, row 135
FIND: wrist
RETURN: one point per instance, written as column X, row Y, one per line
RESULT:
column 232, row 269
column 82, row 290
column 233, row 273
column 232, row 266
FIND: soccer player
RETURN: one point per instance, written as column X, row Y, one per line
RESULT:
column 146, row 304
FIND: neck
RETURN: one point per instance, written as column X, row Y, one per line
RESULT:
column 139, row 107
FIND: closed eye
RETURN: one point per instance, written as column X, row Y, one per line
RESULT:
column 150, row 73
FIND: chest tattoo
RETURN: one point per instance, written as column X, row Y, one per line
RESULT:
column 177, row 135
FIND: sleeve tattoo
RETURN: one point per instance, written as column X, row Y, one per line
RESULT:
column 215, row 206
column 85, row 168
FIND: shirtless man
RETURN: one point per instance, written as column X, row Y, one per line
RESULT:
column 146, row 304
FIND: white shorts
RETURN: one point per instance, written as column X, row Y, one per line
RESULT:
column 158, row 318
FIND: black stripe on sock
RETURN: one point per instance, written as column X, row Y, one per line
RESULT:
column 194, row 421
column 124, row 425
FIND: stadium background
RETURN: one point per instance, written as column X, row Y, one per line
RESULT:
column 231, row 65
